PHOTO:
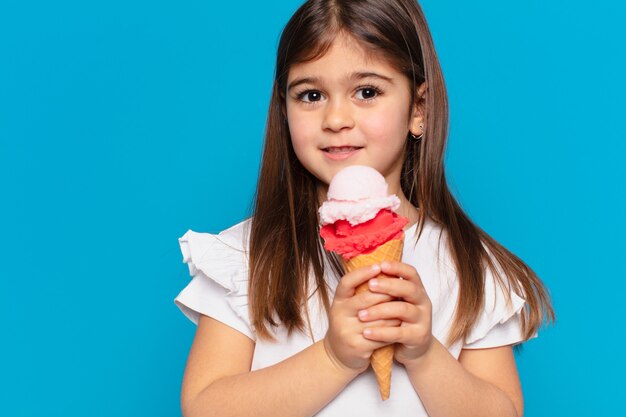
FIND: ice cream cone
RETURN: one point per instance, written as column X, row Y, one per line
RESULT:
column 381, row 359
column 359, row 223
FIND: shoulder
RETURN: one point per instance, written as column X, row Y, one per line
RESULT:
column 221, row 256
column 218, row 265
column 234, row 238
column 237, row 236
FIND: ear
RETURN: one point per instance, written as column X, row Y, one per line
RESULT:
column 418, row 115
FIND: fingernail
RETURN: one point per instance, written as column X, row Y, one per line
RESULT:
column 367, row 332
column 384, row 265
column 376, row 268
column 363, row 314
column 373, row 283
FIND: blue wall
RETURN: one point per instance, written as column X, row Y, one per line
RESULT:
column 120, row 122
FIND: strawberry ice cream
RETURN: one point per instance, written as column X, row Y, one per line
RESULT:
column 349, row 241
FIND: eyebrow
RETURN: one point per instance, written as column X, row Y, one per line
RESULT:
column 353, row 77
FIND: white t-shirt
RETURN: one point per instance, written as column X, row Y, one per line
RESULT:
column 219, row 287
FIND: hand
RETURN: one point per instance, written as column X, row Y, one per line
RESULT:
column 413, row 337
column 344, row 341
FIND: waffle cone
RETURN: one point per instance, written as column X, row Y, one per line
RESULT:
column 381, row 359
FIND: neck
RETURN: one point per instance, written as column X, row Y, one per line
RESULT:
column 407, row 209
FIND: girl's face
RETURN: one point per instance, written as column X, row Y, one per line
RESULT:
column 349, row 107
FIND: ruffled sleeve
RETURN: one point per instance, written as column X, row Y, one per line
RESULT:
column 499, row 324
column 219, row 286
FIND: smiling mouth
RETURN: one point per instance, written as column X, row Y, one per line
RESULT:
column 341, row 149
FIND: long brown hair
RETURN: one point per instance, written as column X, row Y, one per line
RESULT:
column 285, row 247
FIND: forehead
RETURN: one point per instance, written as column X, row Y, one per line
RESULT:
column 345, row 55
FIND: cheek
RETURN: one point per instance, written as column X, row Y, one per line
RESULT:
column 386, row 126
column 294, row 124
column 300, row 132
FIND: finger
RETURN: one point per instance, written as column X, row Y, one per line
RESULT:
column 400, row 310
column 398, row 288
column 404, row 271
column 353, row 279
column 372, row 345
column 384, row 334
column 384, row 323
column 368, row 299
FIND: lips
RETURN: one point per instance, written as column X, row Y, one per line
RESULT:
column 341, row 153
column 341, row 149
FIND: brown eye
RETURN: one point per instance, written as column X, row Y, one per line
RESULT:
column 310, row 96
column 367, row 93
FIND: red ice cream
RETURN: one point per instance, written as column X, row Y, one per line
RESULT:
column 350, row 241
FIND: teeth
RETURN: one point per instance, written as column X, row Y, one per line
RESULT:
column 341, row 149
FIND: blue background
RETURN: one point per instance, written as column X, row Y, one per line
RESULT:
column 121, row 121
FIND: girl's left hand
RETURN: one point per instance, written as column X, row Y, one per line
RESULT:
column 413, row 337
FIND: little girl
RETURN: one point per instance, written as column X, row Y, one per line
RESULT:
column 280, row 330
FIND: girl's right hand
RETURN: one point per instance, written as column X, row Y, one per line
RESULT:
column 344, row 342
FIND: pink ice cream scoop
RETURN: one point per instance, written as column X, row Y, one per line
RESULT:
column 359, row 214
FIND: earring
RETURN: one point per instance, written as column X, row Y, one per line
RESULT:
column 418, row 138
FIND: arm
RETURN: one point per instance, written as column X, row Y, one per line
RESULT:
column 484, row 382
column 214, row 387
column 447, row 388
column 218, row 380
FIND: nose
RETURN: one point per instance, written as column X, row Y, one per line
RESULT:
column 338, row 115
